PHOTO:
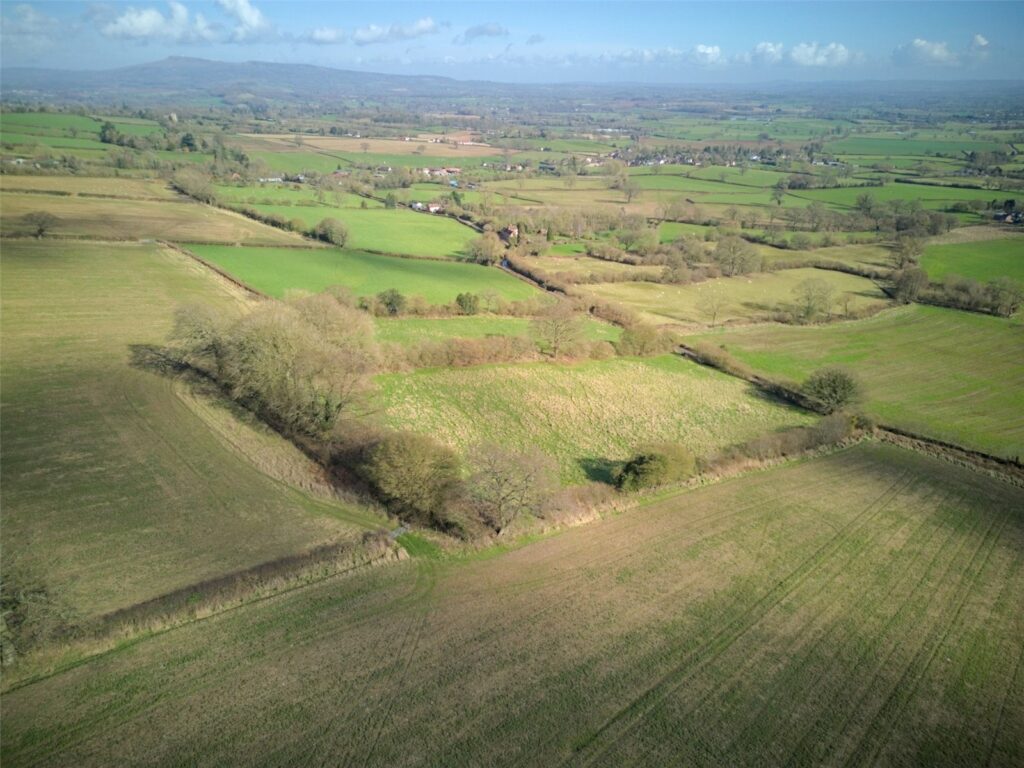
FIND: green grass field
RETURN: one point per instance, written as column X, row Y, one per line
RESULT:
column 412, row 330
column 118, row 484
column 895, row 145
column 982, row 261
column 932, row 198
column 389, row 231
column 587, row 415
column 278, row 270
column 857, row 609
column 286, row 194
column 113, row 219
column 746, row 298
column 947, row 374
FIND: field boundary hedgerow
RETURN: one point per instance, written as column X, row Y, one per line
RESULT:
column 214, row 268
column 213, row 598
column 1010, row 470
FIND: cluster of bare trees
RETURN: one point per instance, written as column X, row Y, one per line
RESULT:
column 302, row 365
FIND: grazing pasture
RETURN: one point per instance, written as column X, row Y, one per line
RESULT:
column 388, row 231
column 112, row 219
column 275, row 271
column 921, row 148
column 930, row 197
column 412, row 330
column 287, row 194
column 581, row 266
column 743, row 298
column 951, row 375
column 586, row 415
column 981, row 260
column 118, row 483
column 859, row 608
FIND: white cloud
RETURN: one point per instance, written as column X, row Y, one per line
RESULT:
column 30, row 31
column 814, row 55
column 707, row 55
column 250, row 20
column 920, row 51
column 768, row 53
column 151, row 24
column 327, row 35
column 380, row 34
column 26, row 21
column 979, row 48
column 535, row 39
column 490, row 29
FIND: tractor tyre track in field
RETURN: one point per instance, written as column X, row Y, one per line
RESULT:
column 633, row 713
column 906, row 687
column 865, row 691
column 798, row 756
column 794, row 669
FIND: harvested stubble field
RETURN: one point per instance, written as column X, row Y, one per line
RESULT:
column 746, row 297
column 861, row 608
column 275, row 271
column 588, row 416
column 110, row 219
column 947, row 374
column 118, row 484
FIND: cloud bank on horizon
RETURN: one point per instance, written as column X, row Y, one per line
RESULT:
column 661, row 42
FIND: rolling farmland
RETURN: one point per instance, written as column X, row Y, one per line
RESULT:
column 982, row 260
column 745, row 297
column 281, row 494
column 278, row 270
column 111, row 469
column 113, row 219
column 947, row 374
column 397, row 231
column 854, row 609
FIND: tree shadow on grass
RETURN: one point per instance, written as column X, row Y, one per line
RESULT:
column 155, row 359
column 599, row 470
column 776, row 398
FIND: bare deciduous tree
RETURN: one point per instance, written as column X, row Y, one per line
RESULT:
column 40, row 222
column 711, row 303
column 813, row 296
column 558, row 328
column 506, row 485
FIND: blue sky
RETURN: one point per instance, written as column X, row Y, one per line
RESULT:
column 538, row 41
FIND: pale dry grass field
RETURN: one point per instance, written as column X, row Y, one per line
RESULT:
column 588, row 416
column 143, row 189
column 109, row 219
column 352, row 145
column 745, row 298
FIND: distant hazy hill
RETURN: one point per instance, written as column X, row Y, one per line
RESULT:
column 181, row 78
